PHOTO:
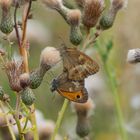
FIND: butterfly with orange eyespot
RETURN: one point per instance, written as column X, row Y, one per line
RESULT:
column 77, row 64
column 72, row 90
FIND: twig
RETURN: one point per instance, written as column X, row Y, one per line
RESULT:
column 91, row 39
column 60, row 117
column 16, row 27
column 87, row 39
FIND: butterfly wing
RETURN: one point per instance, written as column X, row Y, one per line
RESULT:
column 78, row 64
column 72, row 90
column 77, row 96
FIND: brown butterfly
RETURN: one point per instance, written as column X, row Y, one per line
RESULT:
column 72, row 90
column 77, row 64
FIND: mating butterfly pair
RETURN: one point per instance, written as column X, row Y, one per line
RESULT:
column 76, row 67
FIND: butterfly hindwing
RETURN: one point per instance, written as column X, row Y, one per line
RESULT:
column 72, row 90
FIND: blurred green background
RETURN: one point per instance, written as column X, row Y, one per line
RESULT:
column 47, row 28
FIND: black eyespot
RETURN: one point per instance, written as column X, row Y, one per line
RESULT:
column 78, row 96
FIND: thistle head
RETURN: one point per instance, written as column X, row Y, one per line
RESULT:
column 118, row 4
column 85, row 108
column 133, row 56
column 13, row 70
column 5, row 3
column 27, row 96
column 73, row 17
column 91, row 12
column 49, row 57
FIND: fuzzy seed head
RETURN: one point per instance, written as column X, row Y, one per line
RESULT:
column 49, row 56
column 92, row 12
column 133, row 56
column 13, row 70
column 24, row 80
column 85, row 107
column 119, row 4
column 54, row 4
column 74, row 17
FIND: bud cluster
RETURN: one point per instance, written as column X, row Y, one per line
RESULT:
column 89, row 15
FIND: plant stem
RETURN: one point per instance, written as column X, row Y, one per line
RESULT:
column 60, row 117
column 17, row 104
column 24, row 54
column 19, row 128
column 112, row 83
column 8, row 124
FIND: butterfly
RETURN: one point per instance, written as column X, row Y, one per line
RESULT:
column 72, row 90
column 77, row 64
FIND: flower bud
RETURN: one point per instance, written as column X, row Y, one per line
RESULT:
column 75, row 35
column 108, row 17
column 73, row 18
column 82, row 127
column 36, row 78
column 49, row 57
column 133, row 56
column 107, row 20
column 27, row 96
column 118, row 4
column 6, row 25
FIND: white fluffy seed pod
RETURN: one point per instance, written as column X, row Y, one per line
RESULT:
column 119, row 4
column 49, row 56
column 133, row 56
column 87, row 107
column 73, row 17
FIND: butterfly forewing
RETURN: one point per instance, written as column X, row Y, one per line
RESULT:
column 77, row 64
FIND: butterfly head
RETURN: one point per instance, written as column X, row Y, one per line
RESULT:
column 54, row 85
